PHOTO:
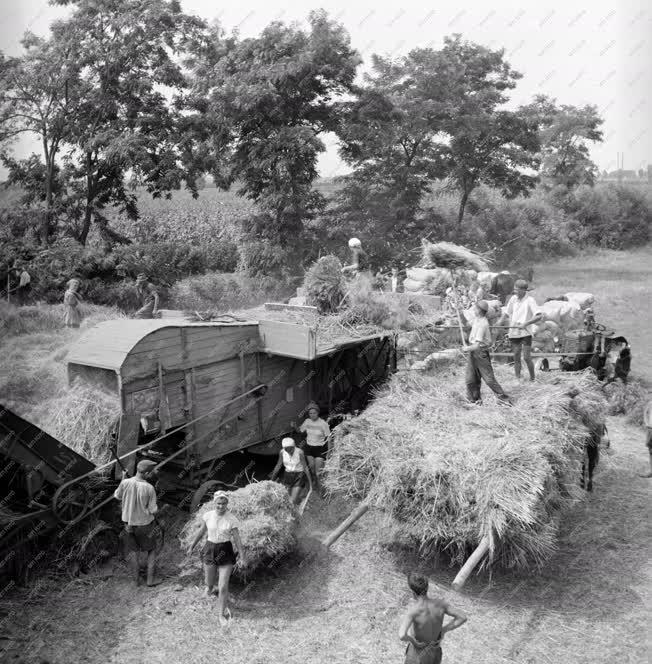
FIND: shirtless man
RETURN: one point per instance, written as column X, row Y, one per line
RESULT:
column 425, row 617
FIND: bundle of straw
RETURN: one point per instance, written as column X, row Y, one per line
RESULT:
column 627, row 399
column 324, row 284
column 452, row 256
column 448, row 474
column 268, row 525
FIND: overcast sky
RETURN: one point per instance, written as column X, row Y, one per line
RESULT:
column 579, row 52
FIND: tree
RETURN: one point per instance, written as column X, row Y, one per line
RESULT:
column 276, row 95
column 35, row 97
column 122, row 120
column 564, row 133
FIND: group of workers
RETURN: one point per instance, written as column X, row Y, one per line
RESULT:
column 523, row 312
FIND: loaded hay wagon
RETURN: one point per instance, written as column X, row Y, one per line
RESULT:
column 193, row 393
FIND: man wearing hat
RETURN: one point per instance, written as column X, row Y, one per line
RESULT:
column 523, row 312
column 148, row 296
column 478, row 365
column 138, row 499
column 295, row 469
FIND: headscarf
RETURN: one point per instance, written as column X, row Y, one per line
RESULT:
column 72, row 282
column 287, row 442
column 220, row 494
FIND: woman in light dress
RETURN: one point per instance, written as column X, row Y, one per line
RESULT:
column 71, row 301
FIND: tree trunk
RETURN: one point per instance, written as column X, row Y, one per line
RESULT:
column 88, row 212
column 460, row 214
column 88, row 218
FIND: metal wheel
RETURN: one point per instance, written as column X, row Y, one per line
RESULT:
column 70, row 502
column 205, row 490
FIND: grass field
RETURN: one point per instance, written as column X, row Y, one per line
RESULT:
column 590, row 605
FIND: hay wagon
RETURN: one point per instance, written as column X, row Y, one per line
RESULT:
column 195, row 394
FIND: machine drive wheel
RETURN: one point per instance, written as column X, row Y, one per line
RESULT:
column 206, row 490
column 70, row 502
column 542, row 364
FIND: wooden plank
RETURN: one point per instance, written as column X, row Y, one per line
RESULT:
column 199, row 333
column 299, row 308
column 288, row 339
column 151, row 344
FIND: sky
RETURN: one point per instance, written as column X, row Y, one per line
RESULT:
column 578, row 52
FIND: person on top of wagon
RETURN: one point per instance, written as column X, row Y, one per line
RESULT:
column 317, row 432
column 360, row 263
column 295, row 469
column 148, row 296
column 523, row 312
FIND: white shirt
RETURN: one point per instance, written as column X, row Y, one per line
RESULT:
column 480, row 332
column 24, row 278
column 292, row 463
column 220, row 527
column 520, row 311
column 316, row 431
column 138, row 501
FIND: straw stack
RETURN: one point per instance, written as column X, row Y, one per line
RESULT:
column 447, row 474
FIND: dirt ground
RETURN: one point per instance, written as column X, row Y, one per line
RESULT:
column 590, row 604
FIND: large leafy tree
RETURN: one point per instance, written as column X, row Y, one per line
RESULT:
column 565, row 133
column 129, row 58
column 36, row 95
column 275, row 96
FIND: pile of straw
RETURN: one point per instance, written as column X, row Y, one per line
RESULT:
column 447, row 473
column 81, row 418
column 268, row 525
column 324, row 284
column 627, row 399
column 452, row 256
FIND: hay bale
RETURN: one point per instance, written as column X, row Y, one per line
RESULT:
column 324, row 284
column 453, row 257
column 448, row 474
column 269, row 524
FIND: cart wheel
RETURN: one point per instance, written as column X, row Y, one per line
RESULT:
column 542, row 364
column 70, row 502
column 101, row 544
column 204, row 490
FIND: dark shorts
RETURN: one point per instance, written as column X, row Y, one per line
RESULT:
column 648, row 439
column 316, row 451
column 431, row 654
column 218, row 553
column 521, row 341
column 293, row 479
column 141, row 538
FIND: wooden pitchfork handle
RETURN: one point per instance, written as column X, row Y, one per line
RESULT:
column 305, row 501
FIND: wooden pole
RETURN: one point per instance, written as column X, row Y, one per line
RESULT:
column 471, row 563
column 457, row 309
column 346, row 524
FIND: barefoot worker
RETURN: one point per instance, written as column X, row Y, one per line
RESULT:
column 423, row 624
column 478, row 362
column 523, row 312
column 295, row 469
column 218, row 556
column 138, row 499
column 317, row 432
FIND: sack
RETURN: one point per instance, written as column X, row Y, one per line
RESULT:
column 413, row 286
column 485, row 278
column 424, row 274
column 584, row 300
column 552, row 311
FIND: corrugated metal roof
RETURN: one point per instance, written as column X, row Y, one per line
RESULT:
column 106, row 345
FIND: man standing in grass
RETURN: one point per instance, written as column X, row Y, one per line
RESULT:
column 423, row 626
column 478, row 364
column 138, row 499
column 523, row 312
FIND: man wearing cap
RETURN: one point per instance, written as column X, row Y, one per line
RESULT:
column 295, row 469
column 523, row 312
column 148, row 296
column 138, row 499
column 478, row 365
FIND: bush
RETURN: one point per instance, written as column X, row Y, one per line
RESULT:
column 217, row 291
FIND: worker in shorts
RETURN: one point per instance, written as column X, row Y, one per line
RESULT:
column 218, row 555
column 317, row 432
column 478, row 363
column 138, row 499
column 295, row 469
column 423, row 626
column 647, row 420
column 523, row 312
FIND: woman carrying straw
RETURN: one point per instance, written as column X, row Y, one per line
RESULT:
column 218, row 557
column 295, row 469
column 317, row 432
column 71, row 301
